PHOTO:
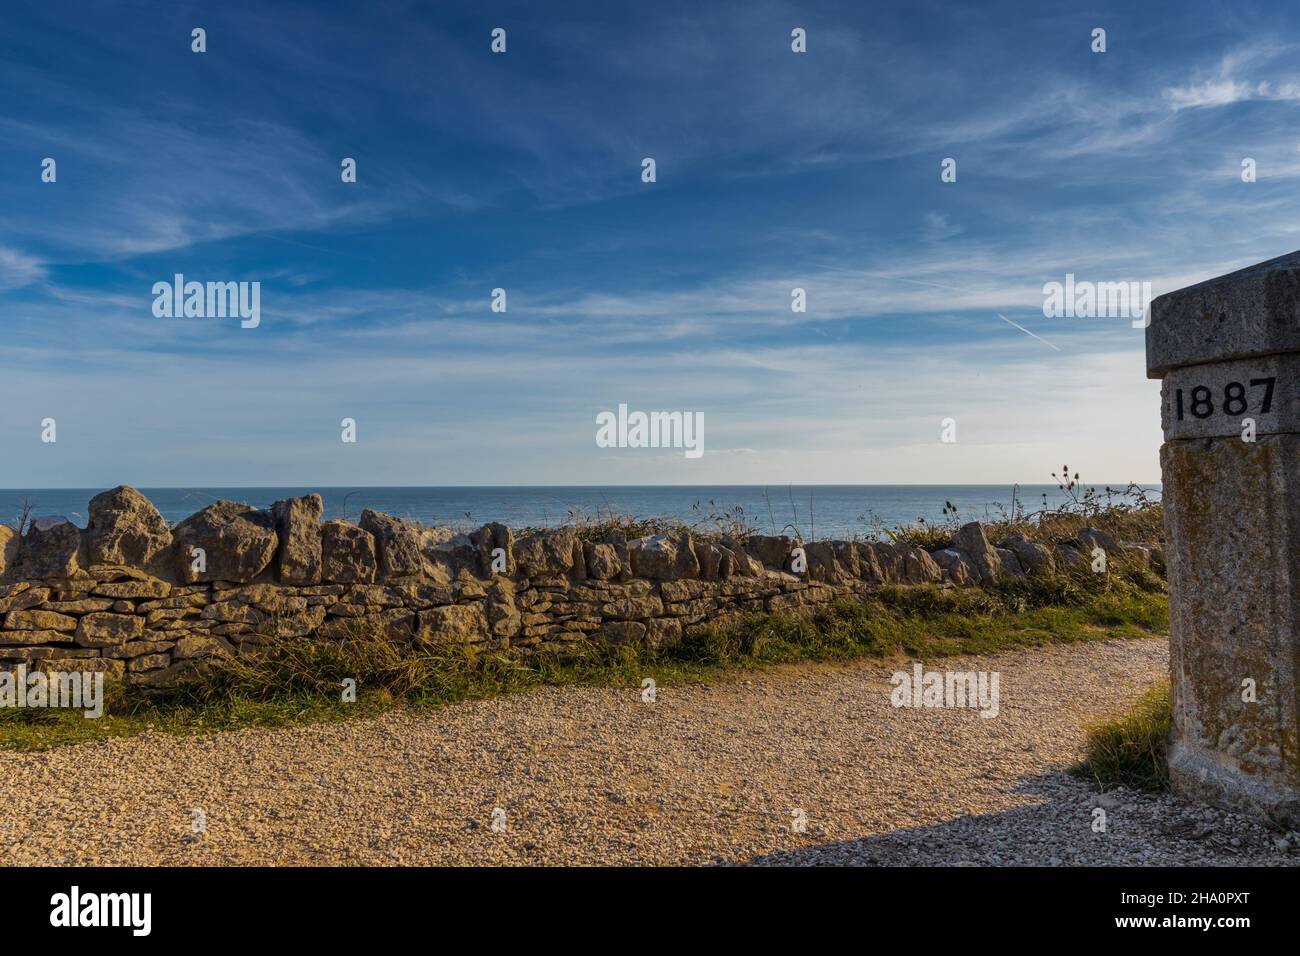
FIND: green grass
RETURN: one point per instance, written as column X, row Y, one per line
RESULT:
column 299, row 680
column 1126, row 514
column 1132, row 750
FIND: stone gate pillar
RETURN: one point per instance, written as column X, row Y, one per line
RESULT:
column 1228, row 351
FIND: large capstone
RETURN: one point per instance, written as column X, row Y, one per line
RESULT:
column 347, row 553
column 50, row 548
column 226, row 541
column 397, row 544
column 125, row 528
column 297, row 521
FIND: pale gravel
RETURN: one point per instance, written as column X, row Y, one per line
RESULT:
column 705, row 774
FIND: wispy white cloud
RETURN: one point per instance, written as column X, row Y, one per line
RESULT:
column 18, row 269
column 1226, row 86
column 1220, row 92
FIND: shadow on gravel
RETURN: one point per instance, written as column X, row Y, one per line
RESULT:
column 1064, row 829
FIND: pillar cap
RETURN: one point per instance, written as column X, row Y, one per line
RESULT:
column 1254, row 311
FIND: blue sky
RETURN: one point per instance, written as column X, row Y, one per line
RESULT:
column 522, row 171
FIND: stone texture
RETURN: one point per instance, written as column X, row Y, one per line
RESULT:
column 238, row 542
column 603, row 562
column 20, row 596
column 394, row 624
column 623, row 632
column 889, row 559
column 39, row 621
column 139, row 648
column 124, row 528
column 192, row 646
column 42, row 653
column 1232, row 521
column 49, row 549
column 105, row 629
column 147, row 662
column 454, row 624
column 869, row 568
column 297, row 522
column 1251, row 312
column 920, row 568
column 1010, row 564
column 957, row 566
column 660, row 633
column 1071, row 557
column 1138, row 553
column 742, row 563
column 347, row 553
column 971, row 539
column 632, row 608
column 135, row 588
column 161, row 677
column 772, row 551
column 233, row 612
column 447, row 553
column 86, row 605
column 295, row 624
column 835, row 562
column 502, row 614
column 489, row 538
column 397, row 544
column 1034, row 558
column 9, row 540
column 31, row 636
column 545, row 553
column 111, row 669
column 664, row 557
column 1091, row 538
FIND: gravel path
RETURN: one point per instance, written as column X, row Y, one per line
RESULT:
column 704, row 774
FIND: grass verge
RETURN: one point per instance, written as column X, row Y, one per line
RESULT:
column 1132, row 750
column 301, row 680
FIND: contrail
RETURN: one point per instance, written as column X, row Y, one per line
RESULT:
column 1026, row 331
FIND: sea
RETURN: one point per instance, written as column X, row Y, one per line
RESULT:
column 811, row 512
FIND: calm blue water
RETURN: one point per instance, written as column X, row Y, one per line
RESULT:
column 820, row 510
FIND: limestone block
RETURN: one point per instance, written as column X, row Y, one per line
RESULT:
column 1232, row 522
column 237, row 542
column 1248, row 313
column 397, row 544
column 297, row 522
column 454, row 624
column 545, row 553
column 664, row 557
column 124, row 528
column 972, row 540
column 347, row 553
column 49, row 549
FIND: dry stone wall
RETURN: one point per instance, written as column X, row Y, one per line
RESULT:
column 133, row 597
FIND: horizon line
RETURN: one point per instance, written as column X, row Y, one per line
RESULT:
column 783, row 484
